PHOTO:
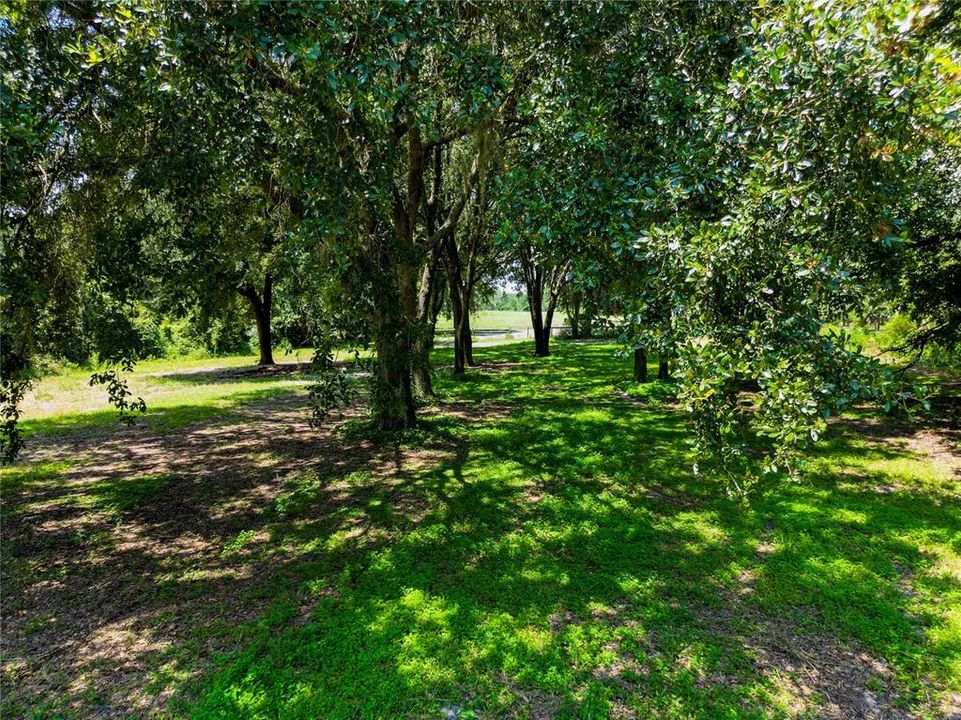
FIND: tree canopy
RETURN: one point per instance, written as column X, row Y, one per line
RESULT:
column 725, row 178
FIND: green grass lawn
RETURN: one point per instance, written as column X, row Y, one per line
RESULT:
column 500, row 319
column 540, row 548
column 178, row 391
column 517, row 321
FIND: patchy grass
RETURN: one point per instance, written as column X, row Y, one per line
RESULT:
column 656, row 392
column 126, row 495
column 539, row 548
column 18, row 478
column 65, row 404
column 172, row 408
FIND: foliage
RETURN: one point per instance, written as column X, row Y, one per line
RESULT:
column 724, row 179
column 118, row 391
column 329, row 386
column 782, row 210
column 933, row 269
column 11, row 434
column 515, row 301
column 896, row 332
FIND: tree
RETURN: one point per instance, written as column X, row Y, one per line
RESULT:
column 582, row 301
column 233, row 244
column 236, row 89
column 570, row 192
column 793, row 187
column 46, row 93
column 415, row 78
column 471, row 256
column 932, row 289
column 542, row 232
column 735, row 174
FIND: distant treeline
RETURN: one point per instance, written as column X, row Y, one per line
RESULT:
column 504, row 301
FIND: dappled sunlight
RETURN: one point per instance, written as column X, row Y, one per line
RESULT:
column 557, row 556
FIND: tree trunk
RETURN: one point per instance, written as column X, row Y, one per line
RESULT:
column 463, row 337
column 463, row 354
column 264, row 339
column 461, row 293
column 540, row 325
column 392, row 394
column 548, row 324
column 397, row 301
column 460, row 361
column 262, row 309
column 467, row 338
column 421, row 370
column 429, row 301
column 542, row 343
column 542, row 339
column 461, row 318
column 537, row 279
column 587, row 322
column 576, row 317
column 542, row 346
column 640, row 365
column 407, row 280
column 394, row 405
column 663, row 367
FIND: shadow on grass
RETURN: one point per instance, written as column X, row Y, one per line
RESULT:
column 557, row 559
column 244, row 373
column 537, row 568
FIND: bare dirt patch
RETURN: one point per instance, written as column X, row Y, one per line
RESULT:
column 940, row 443
column 821, row 677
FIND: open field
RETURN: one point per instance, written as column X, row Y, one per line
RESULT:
column 539, row 548
column 491, row 319
column 515, row 321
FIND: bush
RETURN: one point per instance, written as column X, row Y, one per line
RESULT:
column 944, row 357
column 113, row 331
column 896, row 332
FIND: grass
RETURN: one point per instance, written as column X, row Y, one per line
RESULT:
column 539, row 548
column 518, row 321
column 171, row 405
column 178, row 392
